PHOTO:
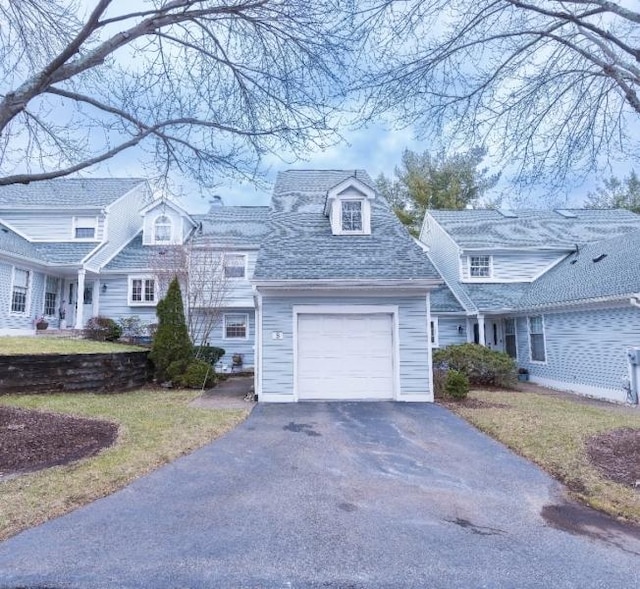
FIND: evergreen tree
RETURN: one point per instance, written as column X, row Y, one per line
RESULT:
column 171, row 343
column 616, row 194
column 425, row 181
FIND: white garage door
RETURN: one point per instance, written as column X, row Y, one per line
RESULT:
column 345, row 356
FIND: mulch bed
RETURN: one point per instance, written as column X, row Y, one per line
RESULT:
column 32, row 440
column 473, row 404
column 617, row 455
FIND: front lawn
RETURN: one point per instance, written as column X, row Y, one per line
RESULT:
column 13, row 346
column 552, row 431
column 155, row 427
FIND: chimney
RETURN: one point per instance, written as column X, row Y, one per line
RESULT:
column 216, row 201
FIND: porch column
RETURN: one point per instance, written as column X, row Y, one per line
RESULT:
column 95, row 309
column 481, row 339
column 80, row 300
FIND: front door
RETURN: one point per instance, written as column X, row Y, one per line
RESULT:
column 70, row 304
column 494, row 334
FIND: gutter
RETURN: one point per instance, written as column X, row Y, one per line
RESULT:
column 635, row 300
column 341, row 283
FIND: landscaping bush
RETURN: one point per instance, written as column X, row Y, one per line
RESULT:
column 456, row 385
column 198, row 375
column 481, row 365
column 171, row 342
column 103, row 329
column 210, row 354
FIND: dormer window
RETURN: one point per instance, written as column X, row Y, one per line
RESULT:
column 162, row 229
column 84, row 227
column 480, row 266
column 351, row 216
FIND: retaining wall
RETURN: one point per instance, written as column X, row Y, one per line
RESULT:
column 47, row 373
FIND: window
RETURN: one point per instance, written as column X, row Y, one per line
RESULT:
column 162, row 229
column 142, row 291
column 20, row 291
column 235, row 326
column 352, row 215
column 480, row 266
column 510, row 337
column 433, row 329
column 52, row 287
column 536, row 338
column 84, row 227
column 234, row 266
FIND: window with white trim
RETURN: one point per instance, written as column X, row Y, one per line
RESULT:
column 536, row 339
column 51, row 290
column 85, row 227
column 510, row 343
column 235, row 265
column 20, row 290
column 480, row 266
column 142, row 291
column 433, row 330
column 236, row 325
column 162, row 229
column 351, row 216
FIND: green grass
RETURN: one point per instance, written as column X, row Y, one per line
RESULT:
column 155, row 427
column 12, row 346
column 551, row 431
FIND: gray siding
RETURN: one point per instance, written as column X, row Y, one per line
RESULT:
column 35, row 299
column 50, row 226
column 448, row 331
column 278, row 361
column 236, row 346
column 123, row 223
column 584, row 347
column 113, row 303
column 240, row 291
column 445, row 254
column 523, row 266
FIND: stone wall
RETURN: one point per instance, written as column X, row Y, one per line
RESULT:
column 49, row 373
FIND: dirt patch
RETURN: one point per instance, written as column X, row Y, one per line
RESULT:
column 32, row 440
column 617, row 455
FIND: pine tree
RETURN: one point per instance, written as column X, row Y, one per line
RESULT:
column 171, row 343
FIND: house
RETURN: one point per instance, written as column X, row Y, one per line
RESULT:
column 557, row 290
column 326, row 295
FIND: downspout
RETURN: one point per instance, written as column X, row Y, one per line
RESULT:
column 257, row 370
column 633, row 356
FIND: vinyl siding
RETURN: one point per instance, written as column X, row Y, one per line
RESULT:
column 240, row 291
column 523, row 266
column 445, row 255
column 177, row 229
column 448, row 334
column 123, row 223
column 35, row 299
column 50, row 225
column 585, row 348
column 278, row 356
column 236, row 346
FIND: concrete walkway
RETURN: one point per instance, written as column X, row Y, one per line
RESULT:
column 234, row 393
column 333, row 496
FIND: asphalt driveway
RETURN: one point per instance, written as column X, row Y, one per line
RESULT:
column 351, row 495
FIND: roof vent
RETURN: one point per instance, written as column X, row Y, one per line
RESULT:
column 566, row 213
column 216, row 201
column 599, row 258
column 508, row 213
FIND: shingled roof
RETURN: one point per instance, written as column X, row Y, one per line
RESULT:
column 232, row 227
column 485, row 228
column 67, row 192
column 300, row 245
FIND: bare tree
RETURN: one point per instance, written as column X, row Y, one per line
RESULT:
column 200, row 269
column 550, row 85
column 205, row 87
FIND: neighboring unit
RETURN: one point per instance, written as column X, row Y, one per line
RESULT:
column 324, row 293
column 556, row 290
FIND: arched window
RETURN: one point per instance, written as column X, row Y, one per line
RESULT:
column 162, row 227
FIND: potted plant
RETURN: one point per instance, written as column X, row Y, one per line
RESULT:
column 62, row 314
column 41, row 323
column 236, row 361
column 523, row 374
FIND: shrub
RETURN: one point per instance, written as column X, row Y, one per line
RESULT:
column 103, row 329
column 481, row 365
column 132, row 327
column 209, row 354
column 198, row 375
column 456, row 385
column 171, row 342
column 176, row 369
column 439, row 380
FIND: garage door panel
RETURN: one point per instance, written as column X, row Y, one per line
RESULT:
column 346, row 356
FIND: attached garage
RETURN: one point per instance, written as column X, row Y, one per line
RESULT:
column 345, row 355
